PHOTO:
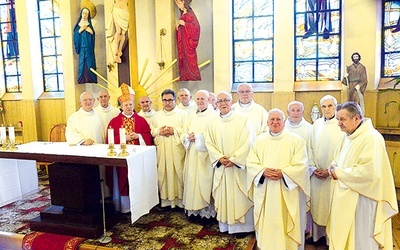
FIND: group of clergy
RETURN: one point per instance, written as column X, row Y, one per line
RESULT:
column 255, row 170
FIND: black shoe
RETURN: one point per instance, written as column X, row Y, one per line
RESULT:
column 310, row 241
column 241, row 235
column 193, row 219
column 321, row 241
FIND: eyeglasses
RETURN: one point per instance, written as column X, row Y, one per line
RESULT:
column 244, row 91
column 168, row 100
column 225, row 101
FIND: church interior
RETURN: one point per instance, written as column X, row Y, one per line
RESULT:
column 149, row 62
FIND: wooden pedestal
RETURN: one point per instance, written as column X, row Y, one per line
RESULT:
column 76, row 202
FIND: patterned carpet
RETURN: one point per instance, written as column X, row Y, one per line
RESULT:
column 160, row 229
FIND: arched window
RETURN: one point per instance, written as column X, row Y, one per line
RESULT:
column 317, row 40
column 390, row 63
column 50, row 43
column 253, row 33
column 10, row 53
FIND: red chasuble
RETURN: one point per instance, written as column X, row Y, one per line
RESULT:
column 136, row 124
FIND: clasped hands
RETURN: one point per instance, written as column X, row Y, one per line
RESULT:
column 85, row 27
column 166, row 131
column 192, row 137
column 273, row 174
column 321, row 174
column 132, row 136
column 226, row 162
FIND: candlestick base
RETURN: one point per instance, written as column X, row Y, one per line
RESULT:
column 4, row 145
column 12, row 145
column 123, row 150
column 111, row 151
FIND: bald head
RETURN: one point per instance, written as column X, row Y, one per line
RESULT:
column 145, row 103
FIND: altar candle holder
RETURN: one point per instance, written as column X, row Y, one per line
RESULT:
column 122, row 140
column 110, row 138
column 13, row 145
column 123, row 150
column 3, row 144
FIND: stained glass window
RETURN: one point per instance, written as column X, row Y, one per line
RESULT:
column 391, row 39
column 317, row 40
column 253, row 29
column 9, row 44
column 50, row 37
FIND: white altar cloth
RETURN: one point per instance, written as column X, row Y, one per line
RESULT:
column 141, row 162
column 18, row 178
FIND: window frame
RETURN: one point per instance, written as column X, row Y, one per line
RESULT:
column 258, row 86
column 56, row 56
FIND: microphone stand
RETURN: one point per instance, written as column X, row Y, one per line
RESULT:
column 105, row 238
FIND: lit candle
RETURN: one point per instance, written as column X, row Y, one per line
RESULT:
column 122, row 136
column 110, row 136
column 11, row 133
column 3, row 135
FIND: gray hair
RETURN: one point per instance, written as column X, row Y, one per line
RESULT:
column 245, row 84
column 328, row 97
column 296, row 102
column 203, row 91
column 276, row 110
column 225, row 93
column 352, row 107
column 80, row 97
column 184, row 89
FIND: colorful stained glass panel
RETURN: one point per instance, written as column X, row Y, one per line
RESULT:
column 391, row 39
column 253, row 30
column 49, row 21
column 244, row 72
column 317, row 41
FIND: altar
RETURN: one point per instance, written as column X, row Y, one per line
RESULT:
column 75, row 184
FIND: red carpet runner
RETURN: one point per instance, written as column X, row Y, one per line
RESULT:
column 48, row 241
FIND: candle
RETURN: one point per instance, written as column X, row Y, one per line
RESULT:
column 122, row 136
column 3, row 133
column 11, row 133
column 110, row 136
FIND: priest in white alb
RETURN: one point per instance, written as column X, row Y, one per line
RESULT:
column 85, row 126
column 167, row 127
column 198, row 173
column 105, row 109
column 145, row 109
column 295, row 121
column 278, row 180
column 325, row 137
column 228, row 143
column 363, row 195
column 257, row 114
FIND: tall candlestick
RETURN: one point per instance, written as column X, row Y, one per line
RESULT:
column 11, row 133
column 122, row 136
column 110, row 136
column 3, row 135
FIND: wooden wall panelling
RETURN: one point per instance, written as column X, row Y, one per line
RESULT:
column 24, row 111
column 385, row 102
column 280, row 100
column 371, row 108
column 52, row 111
